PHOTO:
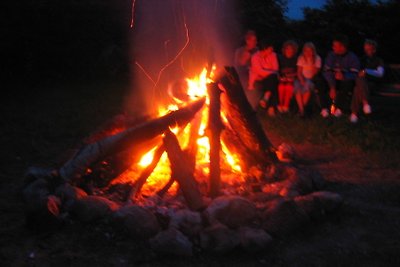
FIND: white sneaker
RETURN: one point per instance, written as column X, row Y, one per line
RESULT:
column 324, row 113
column 353, row 118
column 338, row 113
column 367, row 109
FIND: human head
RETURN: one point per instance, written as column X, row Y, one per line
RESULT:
column 289, row 48
column 340, row 44
column 250, row 39
column 266, row 48
column 370, row 47
column 309, row 50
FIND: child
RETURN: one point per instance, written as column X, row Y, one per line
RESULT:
column 308, row 66
column 287, row 74
column 263, row 76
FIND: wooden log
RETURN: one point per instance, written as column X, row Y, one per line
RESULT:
column 214, row 134
column 243, row 119
column 94, row 152
column 146, row 173
column 192, row 147
column 182, row 173
column 235, row 146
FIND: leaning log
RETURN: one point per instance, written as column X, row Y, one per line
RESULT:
column 146, row 173
column 181, row 172
column 214, row 134
column 94, row 152
column 243, row 119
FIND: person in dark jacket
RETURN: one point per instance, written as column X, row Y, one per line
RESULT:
column 371, row 73
column 340, row 71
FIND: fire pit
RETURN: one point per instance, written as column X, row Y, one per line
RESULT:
column 202, row 174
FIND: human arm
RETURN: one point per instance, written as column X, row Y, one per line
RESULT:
column 259, row 69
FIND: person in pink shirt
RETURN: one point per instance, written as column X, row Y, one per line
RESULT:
column 264, row 75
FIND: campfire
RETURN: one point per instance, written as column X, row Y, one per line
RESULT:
column 200, row 173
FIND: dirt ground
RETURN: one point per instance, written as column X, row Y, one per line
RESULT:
column 39, row 126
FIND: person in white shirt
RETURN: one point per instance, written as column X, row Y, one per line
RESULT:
column 308, row 66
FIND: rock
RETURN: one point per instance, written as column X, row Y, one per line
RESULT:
column 172, row 242
column 187, row 221
column 283, row 216
column 285, row 153
column 254, row 240
column 91, row 208
column 42, row 209
column 35, row 195
column 233, row 211
column 317, row 204
column 317, row 179
column 35, row 173
column 137, row 221
column 219, row 238
column 298, row 182
column 69, row 194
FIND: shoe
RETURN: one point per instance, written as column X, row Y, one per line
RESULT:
column 367, row 109
column 324, row 113
column 263, row 103
column 353, row 118
column 338, row 113
column 271, row 112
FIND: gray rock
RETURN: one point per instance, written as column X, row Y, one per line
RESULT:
column 233, row 211
column 172, row 242
column 219, row 238
column 317, row 204
column 137, row 221
column 42, row 209
column 69, row 194
column 282, row 217
column 91, row 208
column 187, row 221
column 35, row 195
column 254, row 240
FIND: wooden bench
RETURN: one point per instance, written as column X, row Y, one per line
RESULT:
column 391, row 81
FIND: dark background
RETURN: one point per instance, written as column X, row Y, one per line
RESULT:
column 52, row 40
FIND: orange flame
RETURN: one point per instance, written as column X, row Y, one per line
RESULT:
column 196, row 87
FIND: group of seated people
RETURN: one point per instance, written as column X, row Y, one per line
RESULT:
column 337, row 85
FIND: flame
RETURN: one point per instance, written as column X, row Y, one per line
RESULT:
column 230, row 163
column 147, row 158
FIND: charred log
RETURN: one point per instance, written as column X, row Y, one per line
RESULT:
column 243, row 119
column 214, row 133
column 181, row 172
column 92, row 153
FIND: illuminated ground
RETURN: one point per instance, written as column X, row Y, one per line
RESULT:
column 39, row 125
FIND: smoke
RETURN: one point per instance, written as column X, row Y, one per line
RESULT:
column 175, row 39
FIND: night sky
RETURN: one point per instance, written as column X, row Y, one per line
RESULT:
column 295, row 7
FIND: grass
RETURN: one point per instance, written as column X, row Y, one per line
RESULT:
column 377, row 133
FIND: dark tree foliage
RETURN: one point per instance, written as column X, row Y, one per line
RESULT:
column 63, row 40
column 264, row 16
column 358, row 19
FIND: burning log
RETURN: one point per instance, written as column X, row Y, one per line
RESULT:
column 235, row 145
column 182, row 173
column 214, row 127
column 243, row 120
column 92, row 153
column 146, row 173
